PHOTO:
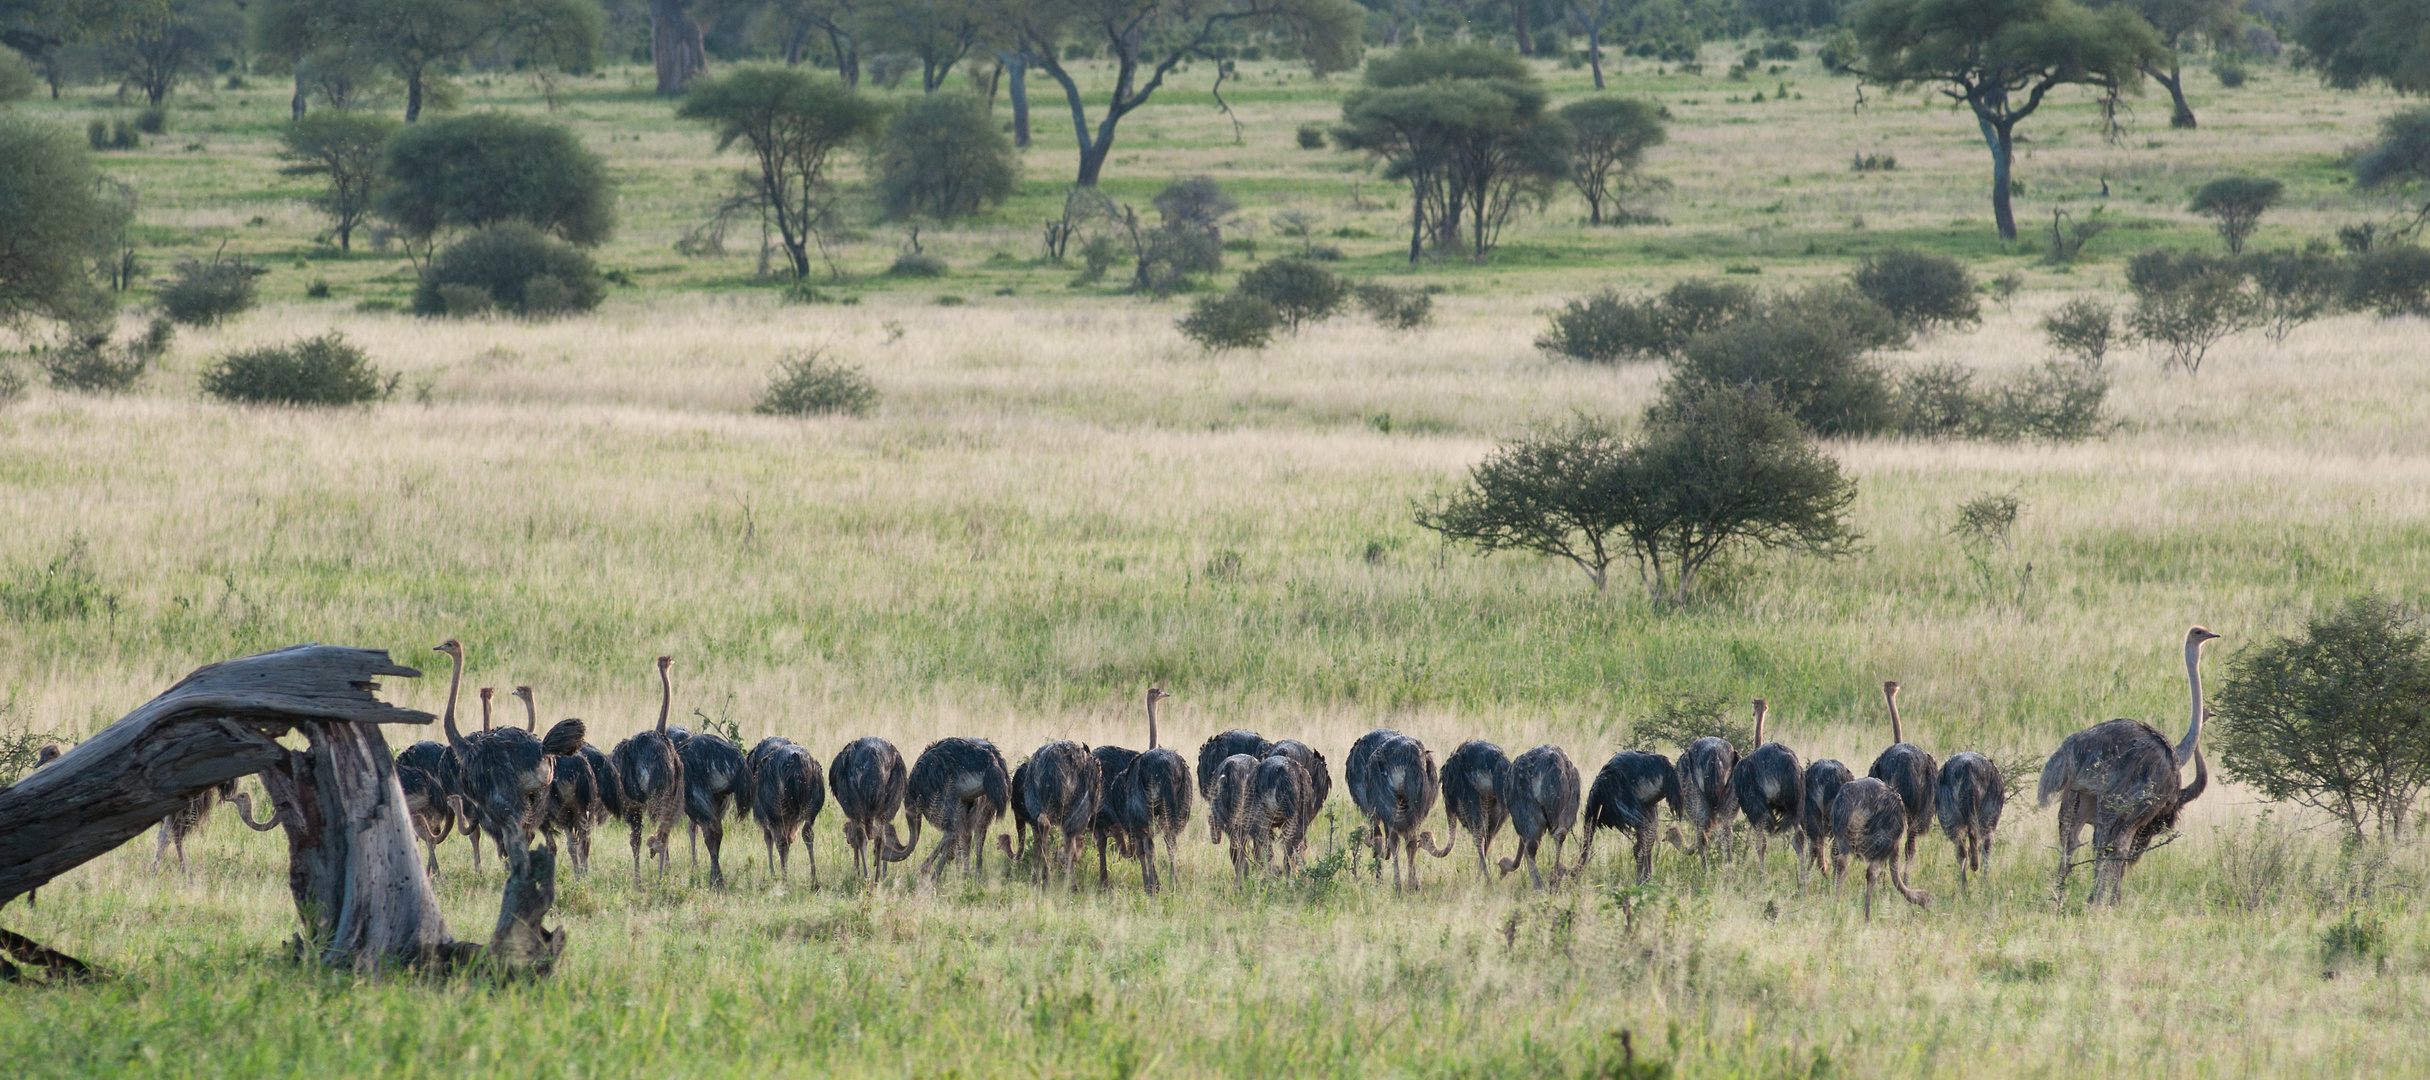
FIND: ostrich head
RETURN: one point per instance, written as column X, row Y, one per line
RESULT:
column 50, row 752
column 531, row 712
column 453, row 648
column 1156, row 694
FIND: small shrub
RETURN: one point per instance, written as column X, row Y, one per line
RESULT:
column 94, row 368
column 2057, row 402
column 2332, row 717
column 2235, row 205
column 2231, row 73
column 513, row 267
column 1311, row 137
column 152, row 121
column 2392, row 281
column 2082, row 328
column 2005, row 287
column 2295, row 287
column 807, row 384
column 204, row 293
column 318, row 290
column 12, row 383
column 943, row 157
column 1684, row 716
column 57, row 589
column 1230, row 321
column 1937, row 402
column 1188, row 241
column 1299, row 292
column 97, row 133
column 1812, row 351
column 917, row 264
column 1398, row 309
column 1919, row 290
column 323, row 370
column 2186, row 304
column 1604, row 327
column 2360, row 238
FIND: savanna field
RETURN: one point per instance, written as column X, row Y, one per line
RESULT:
column 1060, row 501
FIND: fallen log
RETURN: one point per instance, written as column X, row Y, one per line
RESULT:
column 353, row 867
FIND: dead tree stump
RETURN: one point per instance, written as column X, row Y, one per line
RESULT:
column 353, row 866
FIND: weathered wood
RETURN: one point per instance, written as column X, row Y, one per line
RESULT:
column 220, row 723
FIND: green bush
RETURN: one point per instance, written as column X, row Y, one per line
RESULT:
column 917, row 264
column 57, row 218
column 1397, row 309
column 1604, row 327
column 2187, row 303
column 152, row 121
column 1919, row 290
column 93, row 365
column 12, row 382
column 1230, row 321
column 323, row 370
column 2082, row 328
column 943, row 157
column 1813, row 351
column 1311, row 137
column 1188, row 241
column 2060, row 401
column 514, row 266
column 2235, row 205
column 2295, row 287
column 18, row 80
column 204, row 293
column 1299, row 292
column 486, row 169
column 2392, row 281
column 807, row 384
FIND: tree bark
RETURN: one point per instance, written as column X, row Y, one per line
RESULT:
column 1998, row 136
column 676, row 48
column 295, row 105
column 2181, row 115
column 413, row 96
column 1017, row 67
column 1518, row 27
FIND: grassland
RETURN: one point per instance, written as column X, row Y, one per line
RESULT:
column 1060, row 501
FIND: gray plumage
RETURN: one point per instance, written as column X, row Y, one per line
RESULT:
column 712, row 789
column 960, row 786
column 1705, row 798
column 1543, row 802
column 1868, row 821
column 1320, row 780
column 1148, row 799
column 649, row 767
column 1910, row 772
column 1628, row 793
column 1277, row 812
column 1356, row 776
column 788, row 789
column 1215, row 751
column 868, row 780
column 1769, row 785
column 1823, row 780
column 420, row 769
column 1112, row 763
column 1402, row 781
column 1969, row 800
column 1060, row 787
column 1228, row 808
column 2122, row 778
column 1476, row 789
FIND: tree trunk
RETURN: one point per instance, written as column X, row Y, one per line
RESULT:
column 798, row 44
column 1017, row 66
column 355, row 870
column 1518, row 27
column 1997, row 136
column 413, row 96
column 1594, row 51
column 295, row 105
column 847, row 59
column 676, row 48
column 2181, row 115
column 1092, row 159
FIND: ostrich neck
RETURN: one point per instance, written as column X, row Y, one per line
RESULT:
column 2193, row 681
column 1151, row 723
column 531, row 716
column 1897, row 734
column 666, row 699
column 485, row 714
column 1759, row 728
column 455, row 682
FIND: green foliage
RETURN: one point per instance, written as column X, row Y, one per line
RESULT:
column 1311, row 136
column 2360, row 936
column 1232, row 320
column 2235, row 204
column 2186, row 303
column 325, row 370
column 201, row 293
column 1920, row 290
column 58, row 222
column 2295, row 287
column 2082, row 328
column 90, row 363
column 62, row 587
column 485, row 169
column 1397, row 309
column 345, row 149
column 2400, row 160
column 2059, row 401
column 1811, row 351
column 12, row 382
column 2336, row 718
column 514, row 266
column 944, row 157
column 18, row 80
column 917, row 264
column 1685, row 715
column 2358, row 42
column 1468, row 129
column 1610, row 137
column 1604, row 326
column 153, row 121
column 1187, row 241
column 2392, row 281
column 808, row 384
column 172, row 41
column 794, row 125
column 1299, row 292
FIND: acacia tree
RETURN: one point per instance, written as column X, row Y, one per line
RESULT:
column 1562, row 492
column 1467, row 128
column 153, row 54
column 939, row 33
column 2358, row 42
column 420, row 38
column 58, row 221
column 2178, row 22
column 794, row 125
column 1989, row 54
column 487, row 168
column 2401, row 158
column 1609, row 138
column 2337, row 718
column 347, row 149
column 1147, row 39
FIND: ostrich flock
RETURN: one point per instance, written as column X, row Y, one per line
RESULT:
column 515, row 785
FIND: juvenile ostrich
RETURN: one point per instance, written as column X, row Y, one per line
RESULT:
column 958, row 785
column 1277, row 812
column 177, row 826
column 1228, row 792
column 1215, row 751
column 712, row 788
column 506, row 773
column 1402, row 782
column 1910, row 772
column 420, row 769
column 1060, row 788
column 1113, row 769
column 1356, row 775
column 1770, row 786
column 1146, row 796
column 571, row 801
column 1628, row 793
column 788, row 789
column 1320, row 781
column 651, row 773
column 1823, row 780
column 1706, row 799
column 1476, row 793
column 2121, row 777
column 868, row 779
column 1969, row 800
column 1867, row 820
column 1543, row 801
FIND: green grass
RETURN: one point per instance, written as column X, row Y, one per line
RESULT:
column 1059, row 501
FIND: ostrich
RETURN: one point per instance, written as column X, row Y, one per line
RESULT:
column 1146, row 795
column 712, row 782
column 1228, row 792
column 1281, row 795
column 1320, row 782
column 788, row 789
column 1476, row 793
column 1628, row 794
column 1215, row 751
column 868, row 779
column 506, row 773
column 1969, row 799
column 571, row 800
column 1113, row 768
column 650, row 772
column 1769, row 786
column 1705, row 797
column 1061, row 787
column 186, row 819
column 958, row 785
column 1867, row 821
column 1402, row 783
column 1024, row 826
column 420, row 772
column 1910, row 772
column 1355, row 776
column 2121, row 777
column 1543, row 800
column 1824, row 778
